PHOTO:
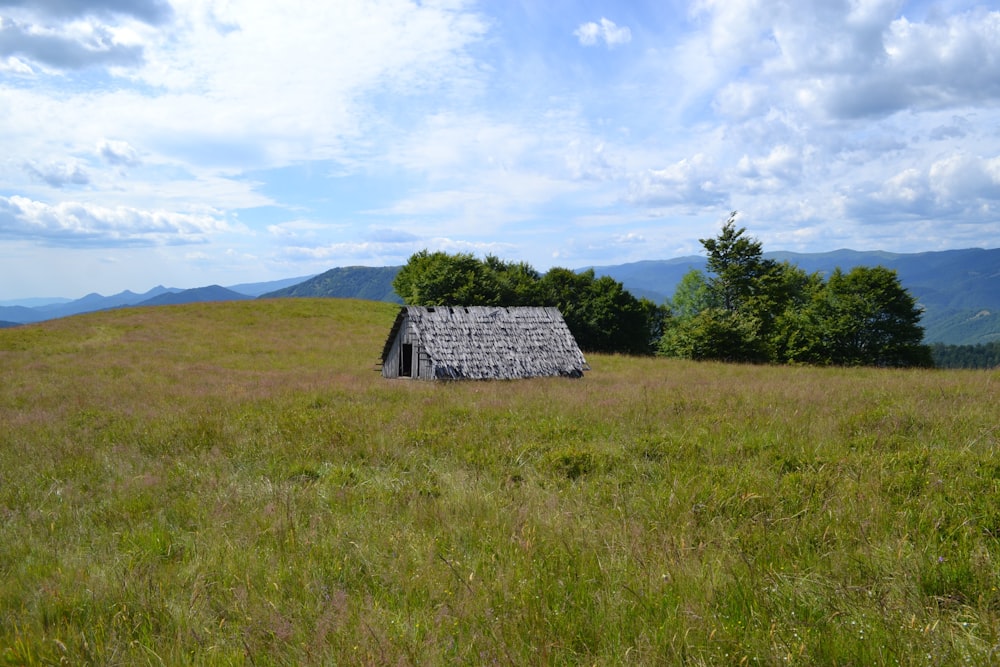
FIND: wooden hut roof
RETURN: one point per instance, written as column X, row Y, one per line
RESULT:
column 489, row 342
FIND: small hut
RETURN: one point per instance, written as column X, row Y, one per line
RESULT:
column 480, row 343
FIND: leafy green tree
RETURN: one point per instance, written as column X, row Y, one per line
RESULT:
column 869, row 319
column 728, row 314
column 441, row 279
column 517, row 282
column 736, row 264
column 602, row 315
column 753, row 309
column 714, row 333
column 783, row 292
column 691, row 296
column 861, row 318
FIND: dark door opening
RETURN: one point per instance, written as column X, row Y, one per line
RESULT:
column 406, row 361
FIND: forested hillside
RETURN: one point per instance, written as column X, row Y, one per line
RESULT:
column 351, row 282
column 986, row 355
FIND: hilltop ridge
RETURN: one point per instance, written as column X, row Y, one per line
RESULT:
column 958, row 289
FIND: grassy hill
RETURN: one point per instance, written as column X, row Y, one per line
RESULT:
column 233, row 483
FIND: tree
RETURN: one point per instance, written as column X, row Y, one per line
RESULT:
column 600, row 313
column 753, row 309
column 517, row 282
column 691, row 296
column 714, row 333
column 440, row 279
column 870, row 319
column 736, row 265
column 728, row 314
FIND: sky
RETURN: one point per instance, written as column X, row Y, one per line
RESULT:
column 197, row 142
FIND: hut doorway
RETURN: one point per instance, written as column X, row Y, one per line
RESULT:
column 406, row 361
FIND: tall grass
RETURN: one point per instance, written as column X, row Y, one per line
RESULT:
column 234, row 484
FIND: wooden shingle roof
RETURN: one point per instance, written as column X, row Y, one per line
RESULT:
column 486, row 342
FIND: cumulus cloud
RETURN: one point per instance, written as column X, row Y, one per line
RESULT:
column 959, row 186
column 588, row 160
column 118, row 153
column 15, row 65
column 781, row 167
column 965, row 177
column 56, row 49
column 907, row 189
column 612, row 35
column 58, row 174
column 860, row 61
column 688, row 181
column 148, row 11
column 78, row 223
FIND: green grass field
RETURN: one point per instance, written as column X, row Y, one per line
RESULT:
column 234, row 484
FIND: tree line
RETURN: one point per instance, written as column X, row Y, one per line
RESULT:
column 600, row 313
column 751, row 309
column 745, row 308
column 981, row 356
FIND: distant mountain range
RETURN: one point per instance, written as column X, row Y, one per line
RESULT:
column 958, row 289
column 52, row 309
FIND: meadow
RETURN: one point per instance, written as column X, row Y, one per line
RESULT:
column 235, row 484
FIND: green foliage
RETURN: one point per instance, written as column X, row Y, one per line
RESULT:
column 714, row 333
column 516, row 282
column 758, row 310
column 692, row 296
column 441, row 279
column 600, row 313
column 355, row 282
column 986, row 355
column 870, row 320
column 736, row 265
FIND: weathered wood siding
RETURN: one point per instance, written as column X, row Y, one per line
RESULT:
column 392, row 359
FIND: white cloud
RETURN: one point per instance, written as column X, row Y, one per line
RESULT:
column 15, row 65
column 283, row 83
column 906, row 189
column 629, row 239
column 690, row 181
column 73, row 46
column 70, row 223
column 388, row 253
column 148, row 11
column 297, row 229
column 965, row 177
column 612, row 35
column 118, row 153
column 840, row 60
column 780, row 168
column 58, row 174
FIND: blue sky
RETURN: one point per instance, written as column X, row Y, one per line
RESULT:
column 191, row 142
